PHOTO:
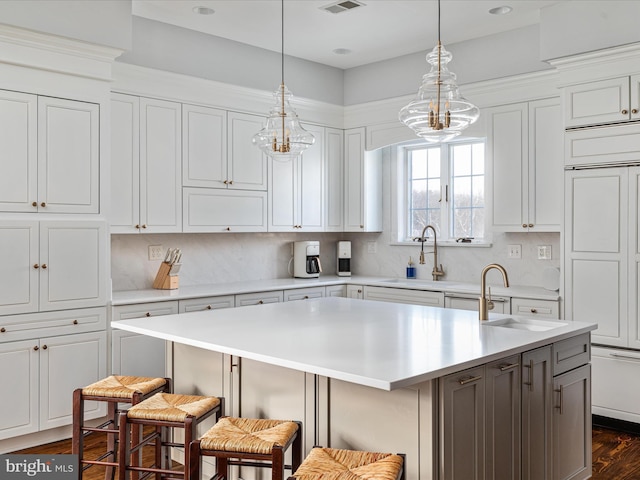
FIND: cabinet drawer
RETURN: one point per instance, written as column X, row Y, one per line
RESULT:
column 535, row 308
column 402, row 295
column 259, row 298
column 207, row 303
column 125, row 312
column 571, row 353
column 33, row 325
column 303, row 293
column 615, row 391
column 616, row 144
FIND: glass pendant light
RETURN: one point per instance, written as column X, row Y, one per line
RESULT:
column 439, row 113
column 283, row 137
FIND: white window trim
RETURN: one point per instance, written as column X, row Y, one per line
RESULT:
column 398, row 201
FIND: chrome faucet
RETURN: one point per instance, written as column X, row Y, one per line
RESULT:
column 435, row 273
column 487, row 304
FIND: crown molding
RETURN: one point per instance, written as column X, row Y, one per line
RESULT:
column 149, row 82
column 27, row 48
column 598, row 65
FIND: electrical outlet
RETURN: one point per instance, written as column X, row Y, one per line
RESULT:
column 514, row 251
column 156, row 252
column 372, row 247
column 544, row 252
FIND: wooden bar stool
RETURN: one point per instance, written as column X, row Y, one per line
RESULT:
column 163, row 411
column 335, row 464
column 248, row 442
column 113, row 390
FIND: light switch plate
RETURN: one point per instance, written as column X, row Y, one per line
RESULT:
column 514, row 251
column 156, row 252
column 372, row 247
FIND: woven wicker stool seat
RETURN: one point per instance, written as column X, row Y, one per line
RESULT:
column 245, row 441
column 163, row 411
column 335, row 464
column 113, row 390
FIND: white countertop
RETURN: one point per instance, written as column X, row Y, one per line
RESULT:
column 211, row 290
column 377, row 344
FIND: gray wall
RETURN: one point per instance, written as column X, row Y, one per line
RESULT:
column 179, row 50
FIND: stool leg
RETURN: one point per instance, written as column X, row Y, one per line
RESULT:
column 296, row 450
column 277, row 465
column 124, row 447
column 112, row 412
column 189, row 436
column 77, row 443
column 221, row 468
column 193, row 467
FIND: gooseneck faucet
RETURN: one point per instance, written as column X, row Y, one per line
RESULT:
column 435, row 273
column 487, row 304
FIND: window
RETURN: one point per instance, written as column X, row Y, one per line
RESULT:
column 445, row 188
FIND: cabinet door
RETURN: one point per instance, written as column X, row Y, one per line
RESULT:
column 334, row 175
column 537, row 385
column 355, row 291
column 311, row 203
column 635, row 97
column 507, row 153
column 634, row 258
column 544, row 212
column 462, row 429
column 283, row 195
column 135, row 354
column 160, row 166
column 73, row 264
column 572, row 425
column 503, row 419
column 20, row 393
column 598, row 102
column 124, row 214
column 68, row 156
column 18, row 143
column 66, row 363
column 247, row 163
column 354, row 180
column 596, row 262
column 204, row 147
column 19, row 259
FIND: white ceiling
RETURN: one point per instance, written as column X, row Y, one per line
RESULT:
column 379, row 30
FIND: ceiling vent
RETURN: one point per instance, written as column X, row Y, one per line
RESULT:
column 343, row 6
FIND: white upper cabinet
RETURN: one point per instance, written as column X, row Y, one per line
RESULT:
column 334, row 179
column 524, row 151
column 296, row 189
column 204, row 147
column 51, row 148
column 146, row 178
column 603, row 101
column 247, row 168
column 362, row 183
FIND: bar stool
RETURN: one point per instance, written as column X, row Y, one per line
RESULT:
column 113, row 390
column 325, row 463
column 163, row 411
column 248, row 442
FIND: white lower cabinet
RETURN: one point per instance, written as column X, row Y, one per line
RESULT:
column 615, row 392
column 304, row 293
column 355, row 291
column 43, row 373
column 259, row 298
column 535, row 308
column 500, row 304
column 336, row 290
column 135, row 354
column 206, row 303
column 402, row 295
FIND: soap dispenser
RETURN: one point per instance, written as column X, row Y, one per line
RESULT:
column 411, row 269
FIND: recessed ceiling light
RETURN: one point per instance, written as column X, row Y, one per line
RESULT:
column 342, row 51
column 503, row 10
column 203, row 10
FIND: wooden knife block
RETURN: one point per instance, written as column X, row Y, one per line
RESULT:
column 163, row 280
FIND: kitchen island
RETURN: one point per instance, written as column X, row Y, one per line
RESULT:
column 391, row 377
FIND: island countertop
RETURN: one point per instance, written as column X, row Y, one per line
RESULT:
column 376, row 344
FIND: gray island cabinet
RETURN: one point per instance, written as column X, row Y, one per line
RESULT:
column 463, row 399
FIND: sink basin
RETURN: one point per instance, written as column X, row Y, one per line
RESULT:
column 524, row 324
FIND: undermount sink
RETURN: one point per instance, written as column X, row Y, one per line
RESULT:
column 524, row 324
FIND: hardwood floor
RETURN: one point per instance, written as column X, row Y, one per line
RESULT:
column 616, row 455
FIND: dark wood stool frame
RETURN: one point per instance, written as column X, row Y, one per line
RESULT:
column 80, row 431
column 224, row 458
column 162, row 465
